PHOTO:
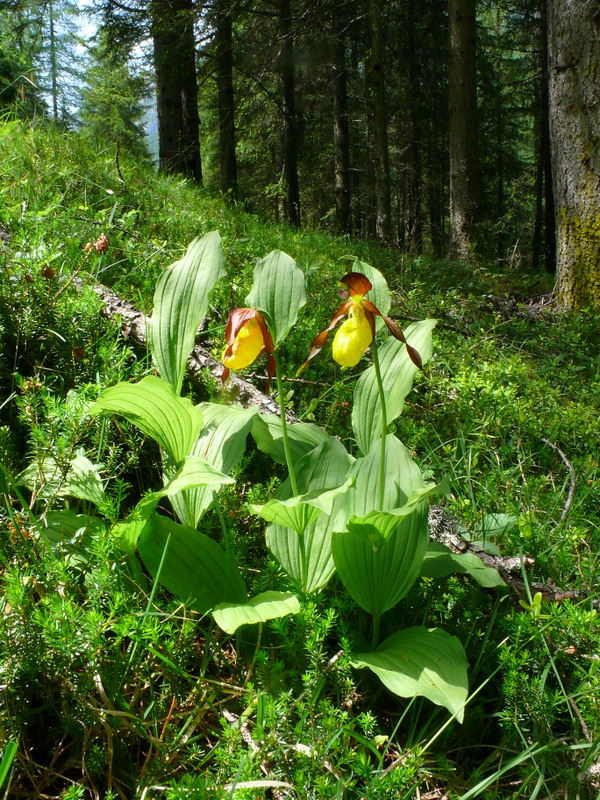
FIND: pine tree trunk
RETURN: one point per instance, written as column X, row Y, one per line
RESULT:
column 465, row 180
column 224, row 58
column 176, row 87
column 383, row 227
column 574, row 100
column 341, row 151
column 544, row 229
column 53, row 63
column 290, row 122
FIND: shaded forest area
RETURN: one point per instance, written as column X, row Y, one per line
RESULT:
column 463, row 129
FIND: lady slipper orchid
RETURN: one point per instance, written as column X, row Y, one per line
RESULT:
column 246, row 337
column 358, row 331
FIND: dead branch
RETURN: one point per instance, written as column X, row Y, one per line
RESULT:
column 133, row 328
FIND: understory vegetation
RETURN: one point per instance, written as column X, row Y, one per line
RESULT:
column 112, row 687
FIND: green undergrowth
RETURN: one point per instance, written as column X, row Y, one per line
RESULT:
column 111, row 688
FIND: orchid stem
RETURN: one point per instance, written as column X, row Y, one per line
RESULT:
column 375, row 631
column 383, row 425
column 284, row 430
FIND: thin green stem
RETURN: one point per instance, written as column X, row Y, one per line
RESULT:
column 225, row 529
column 375, row 630
column 284, row 430
column 381, row 497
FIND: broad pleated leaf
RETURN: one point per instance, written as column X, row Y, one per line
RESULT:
column 380, row 293
column 402, row 478
column 397, row 372
column 180, row 303
column 303, row 437
column 194, row 568
column 265, row 606
column 378, row 571
column 81, row 479
column 425, row 662
column 440, row 561
column 297, row 512
column 153, row 406
column 222, row 443
column 71, row 534
column 278, row 290
column 307, row 557
column 194, row 472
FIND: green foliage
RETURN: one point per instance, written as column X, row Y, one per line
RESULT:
column 113, row 686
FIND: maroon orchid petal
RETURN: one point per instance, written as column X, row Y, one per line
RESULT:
column 397, row 332
column 357, row 283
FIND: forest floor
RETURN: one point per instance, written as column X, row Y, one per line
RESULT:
column 112, row 688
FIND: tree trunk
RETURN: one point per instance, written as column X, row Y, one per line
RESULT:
column 574, row 101
column 224, row 53
column 380, row 137
column 465, row 179
column 290, row 122
column 53, row 63
column 341, row 151
column 176, row 87
column 544, row 229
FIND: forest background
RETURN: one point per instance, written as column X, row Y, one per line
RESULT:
column 453, row 145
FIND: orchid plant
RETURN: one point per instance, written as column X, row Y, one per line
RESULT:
column 361, row 516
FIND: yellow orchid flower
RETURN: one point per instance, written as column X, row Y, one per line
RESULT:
column 357, row 332
column 246, row 337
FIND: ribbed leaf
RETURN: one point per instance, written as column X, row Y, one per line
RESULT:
column 180, row 303
column 193, row 472
column 154, row 407
column 190, row 565
column 48, row 479
column 307, row 557
column 297, row 512
column 222, row 443
column 303, row 437
column 376, row 570
column 425, row 662
column 402, row 478
column 380, row 293
column 440, row 561
column 71, row 534
column 278, row 290
column 265, row 606
column 397, row 372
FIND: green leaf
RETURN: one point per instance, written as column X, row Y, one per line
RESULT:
column 397, row 373
column 265, row 606
column 154, row 407
column 402, row 477
column 303, row 437
column 193, row 472
column 222, row 443
column 379, row 568
column 180, row 303
column 278, row 290
column 380, row 293
column 307, row 557
column 425, row 662
column 8, row 755
column 190, row 565
column 71, row 534
column 297, row 512
column 440, row 561
column 82, row 479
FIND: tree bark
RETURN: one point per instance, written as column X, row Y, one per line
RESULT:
column 383, row 227
column 224, row 58
column 465, row 178
column 172, row 28
column 341, row 147
column 574, row 104
column 290, row 121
